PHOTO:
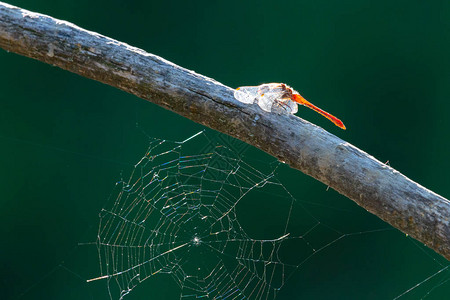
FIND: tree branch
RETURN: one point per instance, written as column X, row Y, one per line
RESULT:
column 378, row 188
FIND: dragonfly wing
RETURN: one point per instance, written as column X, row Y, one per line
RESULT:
column 266, row 101
column 290, row 106
column 269, row 98
column 246, row 94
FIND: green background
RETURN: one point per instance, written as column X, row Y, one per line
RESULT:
column 382, row 67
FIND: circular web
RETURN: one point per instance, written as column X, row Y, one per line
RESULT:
column 188, row 209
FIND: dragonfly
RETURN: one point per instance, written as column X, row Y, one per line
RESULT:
column 269, row 95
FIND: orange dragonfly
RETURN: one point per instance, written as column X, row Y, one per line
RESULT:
column 279, row 94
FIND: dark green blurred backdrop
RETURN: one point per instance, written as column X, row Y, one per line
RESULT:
column 382, row 67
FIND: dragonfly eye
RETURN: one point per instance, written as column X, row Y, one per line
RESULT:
column 287, row 95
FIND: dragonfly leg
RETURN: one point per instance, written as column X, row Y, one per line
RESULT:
column 283, row 104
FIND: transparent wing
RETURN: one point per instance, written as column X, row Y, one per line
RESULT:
column 273, row 97
column 269, row 96
column 289, row 106
column 267, row 100
column 246, row 94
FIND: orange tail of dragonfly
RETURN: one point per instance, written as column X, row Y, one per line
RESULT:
column 300, row 100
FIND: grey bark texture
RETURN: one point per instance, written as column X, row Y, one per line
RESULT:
column 375, row 186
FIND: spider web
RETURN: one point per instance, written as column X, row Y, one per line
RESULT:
column 200, row 213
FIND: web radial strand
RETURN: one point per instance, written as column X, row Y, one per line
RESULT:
column 185, row 211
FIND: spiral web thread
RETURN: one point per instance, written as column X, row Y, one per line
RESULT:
column 188, row 210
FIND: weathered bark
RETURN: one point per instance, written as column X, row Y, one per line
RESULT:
column 378, row 188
